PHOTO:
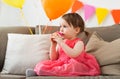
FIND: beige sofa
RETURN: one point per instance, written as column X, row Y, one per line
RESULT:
column 102, row 44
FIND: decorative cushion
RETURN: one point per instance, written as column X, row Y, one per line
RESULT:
column 107, row 53
column 25, row 51
column 3, row 38
column 95, row 42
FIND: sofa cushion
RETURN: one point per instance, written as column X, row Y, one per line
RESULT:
column 108, row 33
column 95, row 42
column 107, row 53
column 3, row 39
column 42, row 29
column 113, row 69
column 12, row 76
column 74, row 77
column 25, row 51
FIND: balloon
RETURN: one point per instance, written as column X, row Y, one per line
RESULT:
column 15, row 3
column 56, row 8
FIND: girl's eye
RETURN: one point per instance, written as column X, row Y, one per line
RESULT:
column 64, row 26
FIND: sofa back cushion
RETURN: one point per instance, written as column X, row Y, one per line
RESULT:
column 42, row 29
column 3, row 39
column 108, row 33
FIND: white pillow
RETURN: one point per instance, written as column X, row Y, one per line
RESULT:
column 25, row 51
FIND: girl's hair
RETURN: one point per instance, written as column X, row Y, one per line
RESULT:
column 75, row 20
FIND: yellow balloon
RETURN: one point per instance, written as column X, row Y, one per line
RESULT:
column 15, row 3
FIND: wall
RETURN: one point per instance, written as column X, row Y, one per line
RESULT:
column 35, row 15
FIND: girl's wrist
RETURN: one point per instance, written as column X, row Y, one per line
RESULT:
column 53, row 44
column 60, row 42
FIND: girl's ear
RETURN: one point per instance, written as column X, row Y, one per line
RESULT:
column 77, row 30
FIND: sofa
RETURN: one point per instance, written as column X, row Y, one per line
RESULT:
column 103, row 42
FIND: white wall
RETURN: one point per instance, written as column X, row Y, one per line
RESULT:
column 34, row 13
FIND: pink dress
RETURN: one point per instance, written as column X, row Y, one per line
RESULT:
column 83, row 65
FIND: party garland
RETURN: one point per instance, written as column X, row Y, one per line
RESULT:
column 101, row 13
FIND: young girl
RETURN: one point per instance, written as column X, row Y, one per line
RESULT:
column 67, row 52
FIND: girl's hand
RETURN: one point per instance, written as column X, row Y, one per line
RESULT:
column 52, row 40
column 56, row 38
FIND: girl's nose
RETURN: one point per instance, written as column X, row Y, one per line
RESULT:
column 61, row 29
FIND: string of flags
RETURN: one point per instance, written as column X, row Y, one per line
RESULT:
column 101, row 13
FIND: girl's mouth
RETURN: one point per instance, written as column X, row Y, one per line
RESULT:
column 61, row 33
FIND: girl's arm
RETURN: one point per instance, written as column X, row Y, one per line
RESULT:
column 72, row 52
column 53, row 52
column 53, row 48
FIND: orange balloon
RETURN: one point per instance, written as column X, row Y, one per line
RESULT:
column 56, row 8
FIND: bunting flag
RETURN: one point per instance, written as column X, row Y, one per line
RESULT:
column 88, row 11
column 116, row 16
column 76, row 6
column 101, row 14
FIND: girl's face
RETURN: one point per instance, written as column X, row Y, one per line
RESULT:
column 69, row 32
